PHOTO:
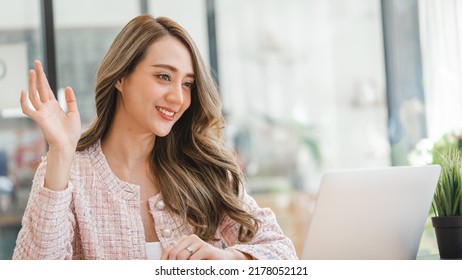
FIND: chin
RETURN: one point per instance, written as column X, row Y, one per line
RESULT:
column 162, row 133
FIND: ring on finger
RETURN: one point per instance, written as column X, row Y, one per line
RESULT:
column 189, row 250
column 173, row 244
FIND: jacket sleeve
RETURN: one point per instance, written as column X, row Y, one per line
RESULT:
column 268, row 243
column 48, row 223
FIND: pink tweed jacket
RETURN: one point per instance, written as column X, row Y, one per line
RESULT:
column 98, row 217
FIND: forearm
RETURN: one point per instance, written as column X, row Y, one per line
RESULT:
column 48, row 223
column 269, row 242
column 47, row 228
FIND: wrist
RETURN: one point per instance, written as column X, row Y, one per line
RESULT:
column 59, row 162
column 62, row 150
column 238, row 255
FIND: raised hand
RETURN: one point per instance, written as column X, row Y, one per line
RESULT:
column 61, row 129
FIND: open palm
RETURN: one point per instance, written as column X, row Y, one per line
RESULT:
column 61, row 129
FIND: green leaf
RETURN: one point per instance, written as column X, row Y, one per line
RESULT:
column 447, row 200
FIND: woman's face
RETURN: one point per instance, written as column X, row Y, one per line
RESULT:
column 158, row 91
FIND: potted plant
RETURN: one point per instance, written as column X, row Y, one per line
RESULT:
column 447, row 205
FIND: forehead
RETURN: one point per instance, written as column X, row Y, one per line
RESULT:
column 169, row 50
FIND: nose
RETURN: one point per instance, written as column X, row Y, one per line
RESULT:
column 175, row 94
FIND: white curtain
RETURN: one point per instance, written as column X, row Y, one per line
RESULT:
column 441, row 46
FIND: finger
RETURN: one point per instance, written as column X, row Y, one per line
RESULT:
column 70, row 100
column 187, row 247
column 183, row 254
column 166, row 251
column 24, row 106
column 194, row 251
column 44, row 89
column 176, row 252
column 33, row 90
column 201, row 254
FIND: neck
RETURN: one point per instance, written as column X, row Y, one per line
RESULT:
column 126, row 147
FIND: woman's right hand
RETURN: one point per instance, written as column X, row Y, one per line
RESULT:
column 61, row 130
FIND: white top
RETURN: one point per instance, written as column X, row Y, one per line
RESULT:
column 153, row 250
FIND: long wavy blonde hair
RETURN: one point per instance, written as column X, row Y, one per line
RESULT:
column 198, row 176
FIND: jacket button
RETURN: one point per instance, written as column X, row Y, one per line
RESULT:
column 160, row 204
column 166, row 233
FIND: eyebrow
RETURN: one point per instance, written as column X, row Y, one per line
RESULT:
column 172, row 68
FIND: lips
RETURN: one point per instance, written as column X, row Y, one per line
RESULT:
column 166, row 113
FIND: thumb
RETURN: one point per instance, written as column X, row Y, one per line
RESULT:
column 70, row 100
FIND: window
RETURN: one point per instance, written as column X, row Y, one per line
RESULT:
column 303, row 87
column 82, row 41
column 21, row 142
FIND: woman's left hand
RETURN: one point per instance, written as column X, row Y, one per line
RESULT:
column 191, row 247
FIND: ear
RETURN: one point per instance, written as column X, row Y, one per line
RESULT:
column 119, row 84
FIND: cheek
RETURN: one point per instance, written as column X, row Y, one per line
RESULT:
column 187, row 101
column 186, row 105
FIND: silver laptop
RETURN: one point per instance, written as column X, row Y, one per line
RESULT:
column 371, row 213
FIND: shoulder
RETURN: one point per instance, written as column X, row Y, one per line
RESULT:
column 84, row 156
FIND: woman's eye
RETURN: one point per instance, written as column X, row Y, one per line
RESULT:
column 164, row 77
column 189, row 85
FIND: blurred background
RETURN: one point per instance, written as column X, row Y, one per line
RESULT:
column 307, row 86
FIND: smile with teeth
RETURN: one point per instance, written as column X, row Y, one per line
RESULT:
column 165, row 112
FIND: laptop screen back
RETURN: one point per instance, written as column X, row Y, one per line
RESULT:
column 371, row 213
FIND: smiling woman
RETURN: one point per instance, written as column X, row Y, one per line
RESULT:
column 158, row 92
column 152, row 167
